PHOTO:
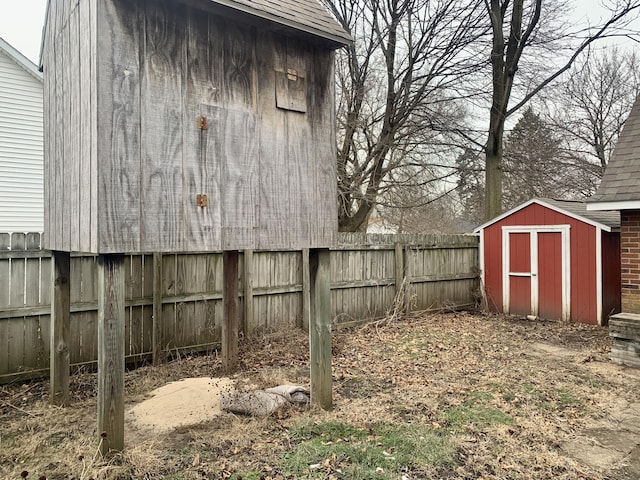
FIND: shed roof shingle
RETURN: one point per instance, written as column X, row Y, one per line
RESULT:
column 573, row 208
column 306, row 15
column 621, row 180
column 579, row 208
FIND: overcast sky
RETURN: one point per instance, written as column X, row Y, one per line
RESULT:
column 21, row 23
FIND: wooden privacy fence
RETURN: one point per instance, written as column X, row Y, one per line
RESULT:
column 367, row 271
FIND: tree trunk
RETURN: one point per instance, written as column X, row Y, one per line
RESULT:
column 493, row 171
column 358, row 222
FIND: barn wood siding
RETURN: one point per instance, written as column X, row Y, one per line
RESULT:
column 126, row 160
column 441, row 271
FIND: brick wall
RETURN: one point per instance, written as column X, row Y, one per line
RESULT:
column 630, row 259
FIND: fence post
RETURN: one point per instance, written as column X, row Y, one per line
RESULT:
column 320, row 328
column 247, row 282
column 60, row 328
column 111, row 313
column 230, row 306
column 156, row 334
column 306, row 288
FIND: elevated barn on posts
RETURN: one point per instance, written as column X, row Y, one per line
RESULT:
column 187, row 126
column 195, row 125
column 552, row 259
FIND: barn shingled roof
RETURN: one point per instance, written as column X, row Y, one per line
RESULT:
column 309, row 16
column 621, row 180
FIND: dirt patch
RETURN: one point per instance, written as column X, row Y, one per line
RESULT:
column 179, row 404
column 515, row 398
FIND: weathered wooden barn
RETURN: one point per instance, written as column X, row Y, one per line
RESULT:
column 189, row 125
column 619, row 191
column 552, row 259
column 20, row 142
column 186, row 126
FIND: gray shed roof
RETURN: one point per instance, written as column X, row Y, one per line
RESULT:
column 621, row 180
column 309, row 16
column 579, row 208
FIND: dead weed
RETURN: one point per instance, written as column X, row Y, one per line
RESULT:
column 506, row 391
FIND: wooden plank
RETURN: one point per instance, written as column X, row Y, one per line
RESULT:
column 17, row 279
column 86, row 320
column 239, row 65
column 76, row 326
column 33, row 342
column 136, row 334
column 274, row 164
column 60, row 328
column 5, row 295
column 202, row 161
column 73, row 181
column 85, row 125
column 203, row 164
column 157, row 309
column 185, row 331
column 399, row 271
column 161, row 122
column 240, row 173
column 4, row 352
column 17, row 290
column 147, row 310
column 299, row 156
column 321, row 117
column 48, row 126
column 320, row 329
column 168, row 314
column 93, row 115
column 119, row 129
column 231, row 314
column 306, row 290
column 247, row 286
column 202, row 321
column 67, row 183
column 111, row 352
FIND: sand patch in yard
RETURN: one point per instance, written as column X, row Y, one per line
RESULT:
column 178, row 404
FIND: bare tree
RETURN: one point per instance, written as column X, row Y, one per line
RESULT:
column 518, row 27
column 590, row 108
column 536, row 164
column 395, row 88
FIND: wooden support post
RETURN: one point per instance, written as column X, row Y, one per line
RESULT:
column 306, row 289
column 156, row 335
column 230, row 305
column 60, row 328
column 111, row 315
column 320, row 328
column 247, row 282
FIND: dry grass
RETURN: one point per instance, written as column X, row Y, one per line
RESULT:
column 505, row 393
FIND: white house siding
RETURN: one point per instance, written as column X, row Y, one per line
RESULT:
column 21, row 149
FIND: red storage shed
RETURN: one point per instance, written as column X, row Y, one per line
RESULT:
column 552, row 259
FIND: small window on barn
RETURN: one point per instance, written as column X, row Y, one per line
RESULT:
column 291, row 90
